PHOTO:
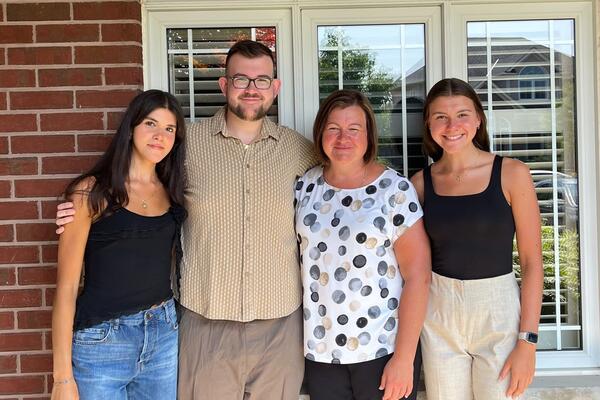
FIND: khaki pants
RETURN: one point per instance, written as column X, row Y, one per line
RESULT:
column 228, row 360
column 470, row 329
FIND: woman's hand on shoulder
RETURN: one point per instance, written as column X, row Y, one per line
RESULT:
column 397, row 378
column 418, row 182
column 520, row 364
column 65, row 391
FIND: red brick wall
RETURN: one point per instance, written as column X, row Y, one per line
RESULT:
column 67, row 69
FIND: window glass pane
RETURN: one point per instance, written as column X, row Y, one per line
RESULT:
column 387, row 64
column 197, row 60
column 524, row 73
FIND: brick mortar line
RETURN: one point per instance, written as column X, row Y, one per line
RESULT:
column 28, row 89
column 71, row 21
column 69, row 44
column 63, row 66
column 35, row 177
column 45, row 155
column 36, row 286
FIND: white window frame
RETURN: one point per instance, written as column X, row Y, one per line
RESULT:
column 552, row 362
column 445, row 37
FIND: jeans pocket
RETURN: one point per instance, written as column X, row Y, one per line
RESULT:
column 92, row 335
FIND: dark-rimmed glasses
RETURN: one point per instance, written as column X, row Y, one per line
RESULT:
column 243, row 81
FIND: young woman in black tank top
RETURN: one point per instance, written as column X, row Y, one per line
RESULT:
column 118, row 338
column 479, row 336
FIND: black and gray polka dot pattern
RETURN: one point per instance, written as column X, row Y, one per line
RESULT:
column 351, row 280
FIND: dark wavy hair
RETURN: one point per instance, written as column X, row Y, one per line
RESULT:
column 454, row 87
column 342, row 99
column 111, row 171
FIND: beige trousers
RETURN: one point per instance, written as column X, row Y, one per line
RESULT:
column 228, row 360
column 470, row 329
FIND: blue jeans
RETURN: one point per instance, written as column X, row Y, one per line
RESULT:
column 133, row 357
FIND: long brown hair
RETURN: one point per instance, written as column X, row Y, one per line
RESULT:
column 342, row 99
column 454, row 87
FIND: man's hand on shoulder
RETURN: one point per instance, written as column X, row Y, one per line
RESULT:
column 64, row 215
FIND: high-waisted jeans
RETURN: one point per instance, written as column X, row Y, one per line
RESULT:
column 133, row 357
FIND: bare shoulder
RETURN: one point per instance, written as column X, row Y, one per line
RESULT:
column 418, row 183
column 81, row 193
column 515, row 171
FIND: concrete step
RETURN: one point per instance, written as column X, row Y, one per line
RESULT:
column 591, row 393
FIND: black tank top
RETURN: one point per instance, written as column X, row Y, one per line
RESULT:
column 127, row 264
column 471, row 235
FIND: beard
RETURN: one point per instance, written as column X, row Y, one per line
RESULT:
column 240, row 112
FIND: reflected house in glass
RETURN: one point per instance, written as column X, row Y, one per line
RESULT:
column 526, row 84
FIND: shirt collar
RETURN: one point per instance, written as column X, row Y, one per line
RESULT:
column 218, row 125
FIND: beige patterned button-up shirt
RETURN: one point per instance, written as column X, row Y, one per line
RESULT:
column 240, row 258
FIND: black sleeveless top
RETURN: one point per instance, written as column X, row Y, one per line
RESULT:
column 471, row 235
column 128, row 264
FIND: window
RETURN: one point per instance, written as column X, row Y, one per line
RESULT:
column 494, row 50
column 389, row 54
column 530, row 76
column 197, row 60
column 533, row 83
column 387, row 64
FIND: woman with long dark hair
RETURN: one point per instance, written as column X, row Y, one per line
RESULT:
column 479, row 336
column 118, row 338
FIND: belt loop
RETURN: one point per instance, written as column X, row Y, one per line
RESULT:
column 115, row 324
column 167, row 313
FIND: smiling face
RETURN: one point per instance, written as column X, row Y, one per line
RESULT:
column 154, row 137
column 453, row 122
column 250, row 104
column 345, row 135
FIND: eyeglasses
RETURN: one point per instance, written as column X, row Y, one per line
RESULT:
column 242, row 82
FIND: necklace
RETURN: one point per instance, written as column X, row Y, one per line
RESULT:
column 459, row 177
column 145, row 201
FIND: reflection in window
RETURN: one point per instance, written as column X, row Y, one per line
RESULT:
column 387, row 64
column 534, row 83
column 524, row 73
column 197, row 60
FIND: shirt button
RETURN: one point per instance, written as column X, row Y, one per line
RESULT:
column 247, row 191
column 247, row 165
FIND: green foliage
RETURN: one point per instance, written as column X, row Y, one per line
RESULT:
column 360, row 71
column 568, row 249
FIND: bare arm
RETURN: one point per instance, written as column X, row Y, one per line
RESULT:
column 414, row 259
column 521, row 195
column 71, row 248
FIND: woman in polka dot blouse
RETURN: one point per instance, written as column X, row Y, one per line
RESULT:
column 365, row 259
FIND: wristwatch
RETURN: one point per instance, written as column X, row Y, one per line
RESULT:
column 529, row 337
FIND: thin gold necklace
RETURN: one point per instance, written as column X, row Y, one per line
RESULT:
column 145, row 201
column 458, row 177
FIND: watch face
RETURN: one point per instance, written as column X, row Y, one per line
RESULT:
column 532, row 337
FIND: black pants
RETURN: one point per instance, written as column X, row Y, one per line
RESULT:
column 358, row 381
